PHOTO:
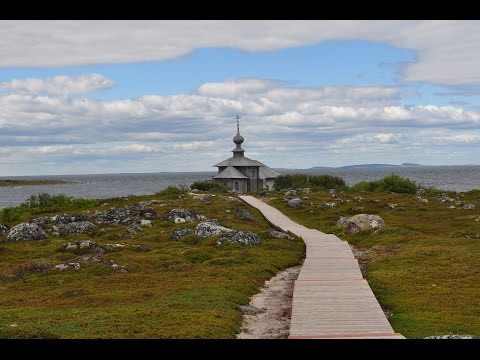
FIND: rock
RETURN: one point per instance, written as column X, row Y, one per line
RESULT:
column 145, row 223
column 452, row 207
column 211, row 228
column 202, row 197
column 421, row 191
column 79, row 227
column 477, row 219
column 113, row 247
column 86, row 259
column 129, row 215
column 450, row 337
column 42, row 220
column 140, row 248
column 295, row 203
column 445, row 198
column 186, row 215
column 306, row 190
column 250, row 310
column 422, row 200
column 358, row 198
column 26, row 231
column 69, row 218
column 245, row 214
column 147, row 203
column 66, row 266
column 280, row 235
column 392, row 206
column 361, row 222
column 327, row 205
column 290, row 193
column 85, row 245
column 468, row 207
column 3, row 229
column 133, row 229
column 177, row 234
column 244, row 238
column 179, row 220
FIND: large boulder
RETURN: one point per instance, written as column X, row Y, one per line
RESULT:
column 187, row 215
column 26, row 231
column 244, row 214
column 361, row 222
column 78, row 227
column 244, row 238
column 177, row 234
column 211, row 228
column 295, row 203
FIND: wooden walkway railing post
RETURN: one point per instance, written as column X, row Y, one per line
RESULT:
column 331, row 300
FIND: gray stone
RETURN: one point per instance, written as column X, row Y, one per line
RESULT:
column 145, row 223
column 361, row 222
column 421, row 191
column 129, row 215
column 66, row 266
column 245, row 214
column 42, row 220
column 392, row 206
column 3, row 229
column 244, row 238
column 26, row 231
column 291, row 193
column 450, row 337
column 79, row 227
column 211, row 228
column 295, row 203
column 280, row 235
column 186, row 215
column 422, row 200
column 328, row 205
column 68, row 218
column 468, row 207
column 177, row 234
column 445, row 198
column 202, row 197
column 113, row 247
column 83, row 245
column 477, row 219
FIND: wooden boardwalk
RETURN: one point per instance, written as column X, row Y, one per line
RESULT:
column 331, row 300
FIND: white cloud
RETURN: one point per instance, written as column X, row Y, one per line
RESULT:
column 447, row 51
column 58, row 85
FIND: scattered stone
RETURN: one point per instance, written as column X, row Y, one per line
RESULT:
column 129, row 215
column 291, row 193
column 305, row 198
column 361, row 222
column 251, row 310
column 3, row 229
column 113, row 247
column 42, row 220
column 66, row 266
column 295, row 203
column 202, row 197
column 134, row 229
column 356, row 209
column 450, row 337
column 452, row 207
column 145, row 223
column 421, row 191
column 211, row 228
column 280, row 235
column 477, row 219
column 422, row 200
column 245, row 214
column 85, row 245
column 392, row 206
column 358, row 198
column 147, row 203
column 177, row 234
column 68, row 218
column 244, row 238
column 26, row 231
column 140, row 248
column 95, row 259
column 327, row 205
column 445, row 198
column 186, row 215
column 79, row 227
column 468, row 207
column 306, row 190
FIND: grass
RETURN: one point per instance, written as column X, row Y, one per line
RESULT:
column 9, row 182
column 423, row 267
column 185, row 289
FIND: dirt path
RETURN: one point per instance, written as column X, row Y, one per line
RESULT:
column 268, row 316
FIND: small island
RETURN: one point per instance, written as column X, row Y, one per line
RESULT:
column 8, row 182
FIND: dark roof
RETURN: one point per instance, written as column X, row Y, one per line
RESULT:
column 239, row 161
column 230, row 173
column 266, row 172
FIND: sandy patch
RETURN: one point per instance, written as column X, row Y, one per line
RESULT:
column 271, row 309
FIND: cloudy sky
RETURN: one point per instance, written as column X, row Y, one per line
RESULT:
column 83, row 97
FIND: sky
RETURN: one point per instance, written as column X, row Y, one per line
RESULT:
column 90, row 97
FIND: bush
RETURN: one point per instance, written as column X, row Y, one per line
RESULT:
column 174, row 190
column 208, row 186
column 44, row 200
column 11, row 214
column 316, row 182
column 393, row 183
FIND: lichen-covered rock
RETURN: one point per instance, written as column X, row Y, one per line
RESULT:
column 68, row 218
column 280, row 235
column 291, row 193
column 445, row 198
column 3, row 229
column 203, row 197
column 244, row 238
column 295, row 203
column 66, row 266
column 328, row 205
column 42, row 220
column 361, row 222
column 82, row 245
column 78, row 227
column 177, row 234
column 145, row 223
column 186, row 215
column 211, row 228
column 120, row 216
column 26, row 231
column 468, row 207
column 422, row 200
column 245, row 214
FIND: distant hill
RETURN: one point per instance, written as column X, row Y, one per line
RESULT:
column 367, row 166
